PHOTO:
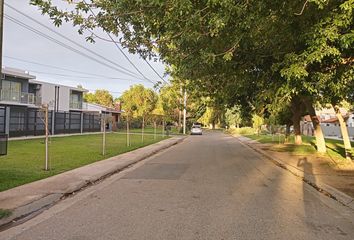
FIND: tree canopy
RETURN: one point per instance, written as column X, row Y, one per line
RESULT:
column 265, row 56
column 102, row 97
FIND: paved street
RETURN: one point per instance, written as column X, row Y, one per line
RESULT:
column 208, row 187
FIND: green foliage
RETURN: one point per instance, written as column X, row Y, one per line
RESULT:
column 255, row 54
column 102, row 97
column 241, row 131
column 5, row 213
column 233, row 117
column 257, row 122
column 169, row 102
column 138, row 101
column 212, row 116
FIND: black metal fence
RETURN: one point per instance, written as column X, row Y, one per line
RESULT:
column 2, row 119
column 31, row 122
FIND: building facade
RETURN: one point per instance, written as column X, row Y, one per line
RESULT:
column 22, row 99
column 329, row 123
column 112, row 115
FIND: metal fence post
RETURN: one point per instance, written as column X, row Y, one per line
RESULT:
column 7, row 120
column 81, row 122
column 53, row 122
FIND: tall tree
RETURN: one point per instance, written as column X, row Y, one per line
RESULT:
column 139, row 101
column 236, row 50
column 101, row 96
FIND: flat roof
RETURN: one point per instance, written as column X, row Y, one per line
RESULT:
column 60, row 85
column 17, row 73
column 104, row 108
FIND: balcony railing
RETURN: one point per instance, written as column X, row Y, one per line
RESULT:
column 76, row 105
column 19, row 97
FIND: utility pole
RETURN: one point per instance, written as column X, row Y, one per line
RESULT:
column 179, row 109
column 184, row 111
column 1, row 32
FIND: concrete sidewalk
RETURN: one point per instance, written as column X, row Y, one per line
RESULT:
column 30, row 198
column 314, row 178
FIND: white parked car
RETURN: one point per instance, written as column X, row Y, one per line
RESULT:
column 196, row 130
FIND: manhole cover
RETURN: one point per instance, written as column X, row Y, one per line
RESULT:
column 158, row 171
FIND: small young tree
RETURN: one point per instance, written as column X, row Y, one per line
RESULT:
column 257, row 121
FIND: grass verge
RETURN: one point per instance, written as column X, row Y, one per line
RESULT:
column 151, row 130
column 335, row 148
column 26, row 158
column 4, row 213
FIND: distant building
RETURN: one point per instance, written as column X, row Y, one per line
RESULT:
column 112, row 114
column 21, row 100
column 59, row 97
column 16, row 90
column 329, row 123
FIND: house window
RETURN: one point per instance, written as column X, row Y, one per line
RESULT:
column 11, row 91
column 76, row 100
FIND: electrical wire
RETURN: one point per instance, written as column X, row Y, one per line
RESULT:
column 88, row 75
column 116, row 44
column 63, row 44
column 68, row 39
column 69, row 70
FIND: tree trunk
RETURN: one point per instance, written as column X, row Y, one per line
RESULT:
column 142, row 130
column 287, row 133
column 320, row 141
column 297, row 109
column 128, row 136
column 163, row 127
column 154, row 129
column 344, row 131
column 179, row 120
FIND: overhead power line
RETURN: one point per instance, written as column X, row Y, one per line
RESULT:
column 68, row 75
column 64, row 45
column 116, row 44
column 68, row 39
column 93, row 75
column 153, row 69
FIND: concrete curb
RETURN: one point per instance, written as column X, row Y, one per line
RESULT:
column 30, row 198
column 318, row 185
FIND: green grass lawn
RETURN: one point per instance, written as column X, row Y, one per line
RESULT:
column 335, row 148
column 4, row 213
column 25, row 160
column 150, row 130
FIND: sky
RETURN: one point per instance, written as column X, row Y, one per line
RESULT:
column 21, row 46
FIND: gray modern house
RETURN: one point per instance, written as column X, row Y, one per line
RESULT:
column 21, row 101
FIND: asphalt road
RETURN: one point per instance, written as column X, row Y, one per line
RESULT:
column 208, row 187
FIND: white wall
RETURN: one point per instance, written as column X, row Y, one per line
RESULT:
column 64, row 98
column 48, row 94
column 334, row 131
column 93, row 107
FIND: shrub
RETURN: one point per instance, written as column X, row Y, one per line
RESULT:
column 241, row 131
